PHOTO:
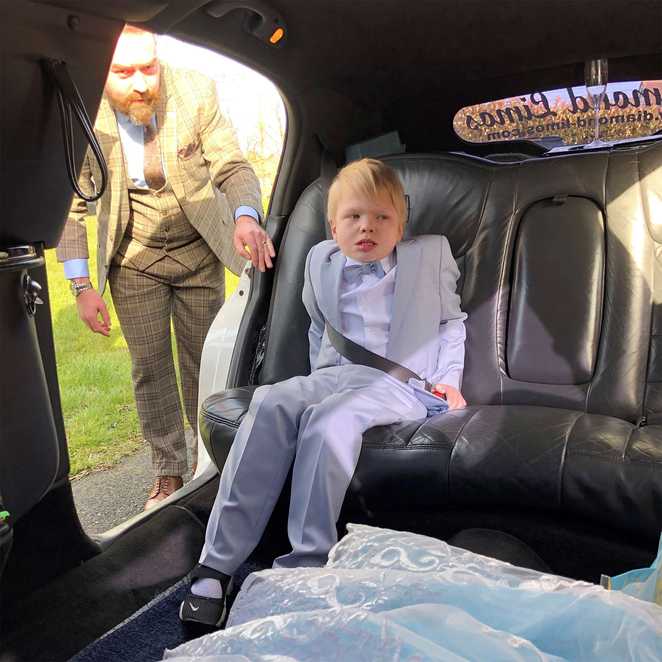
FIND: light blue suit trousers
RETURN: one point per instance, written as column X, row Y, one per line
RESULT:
column 317, row 422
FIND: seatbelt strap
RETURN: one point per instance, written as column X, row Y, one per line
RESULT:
column 361, row 356
column 328, row 166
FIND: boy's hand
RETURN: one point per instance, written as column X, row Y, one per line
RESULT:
column 451, row 395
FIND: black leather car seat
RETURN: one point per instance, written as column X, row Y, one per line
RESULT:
column 561, row 281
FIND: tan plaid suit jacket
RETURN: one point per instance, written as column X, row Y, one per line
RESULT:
column 205, row 168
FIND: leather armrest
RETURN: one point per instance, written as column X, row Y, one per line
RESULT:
column 220, row 417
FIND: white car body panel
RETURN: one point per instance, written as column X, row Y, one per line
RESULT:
column 217, row 353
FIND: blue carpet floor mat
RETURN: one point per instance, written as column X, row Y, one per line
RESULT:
column 145, row 635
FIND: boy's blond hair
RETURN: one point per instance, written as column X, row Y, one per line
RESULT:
column 368, row 177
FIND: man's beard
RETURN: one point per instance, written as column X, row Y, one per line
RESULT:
column 138, row 107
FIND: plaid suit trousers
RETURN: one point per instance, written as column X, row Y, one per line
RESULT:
column 147, row 302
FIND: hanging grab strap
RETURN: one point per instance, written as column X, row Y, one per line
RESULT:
column 70, row 102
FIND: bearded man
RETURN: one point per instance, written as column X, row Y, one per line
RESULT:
column 181, row 203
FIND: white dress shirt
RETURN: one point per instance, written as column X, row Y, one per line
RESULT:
column 366, row 302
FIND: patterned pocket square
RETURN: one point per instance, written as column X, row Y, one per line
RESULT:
column 189, row 150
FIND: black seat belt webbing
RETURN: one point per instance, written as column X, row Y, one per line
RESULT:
column 362, row 356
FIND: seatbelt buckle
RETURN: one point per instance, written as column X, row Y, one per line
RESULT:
column 435, row 391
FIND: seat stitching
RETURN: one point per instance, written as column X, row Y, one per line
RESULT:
column 418, row 429
column 599, row 458
column 607, row 285
column 500, row 285
column 481, row 215
column 408, row 448
column 450, row 457
column 647, row 215
column 564, row 455
column 627, row 443
column 215, row 418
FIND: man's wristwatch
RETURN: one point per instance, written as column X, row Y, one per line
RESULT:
column 78, row 288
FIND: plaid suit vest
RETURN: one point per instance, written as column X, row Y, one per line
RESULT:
column 158, row 227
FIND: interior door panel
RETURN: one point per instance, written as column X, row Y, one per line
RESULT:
column 35, row 194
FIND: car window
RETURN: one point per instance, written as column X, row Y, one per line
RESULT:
column 565, row 116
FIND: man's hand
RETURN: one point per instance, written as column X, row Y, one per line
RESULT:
column 253, row 243
column 451, row 394
column 93, row 312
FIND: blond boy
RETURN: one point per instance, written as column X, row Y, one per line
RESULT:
column 395, row 298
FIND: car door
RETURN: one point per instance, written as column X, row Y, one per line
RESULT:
column 35, row 193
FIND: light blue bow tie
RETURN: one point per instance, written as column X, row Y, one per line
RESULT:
column 353, row 272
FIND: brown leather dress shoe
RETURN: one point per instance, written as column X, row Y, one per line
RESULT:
column 164, row 486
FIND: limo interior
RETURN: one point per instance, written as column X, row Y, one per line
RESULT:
column 557, row 461
column 561, row 443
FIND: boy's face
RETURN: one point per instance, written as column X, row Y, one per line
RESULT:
column 367, row 228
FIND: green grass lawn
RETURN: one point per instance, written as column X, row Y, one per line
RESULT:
column 95, row 376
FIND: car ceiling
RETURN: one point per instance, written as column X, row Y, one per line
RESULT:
column 399, row 48
column 352, row 69
column 410, row 65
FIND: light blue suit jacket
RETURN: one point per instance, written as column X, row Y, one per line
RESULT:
column 427, row 326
